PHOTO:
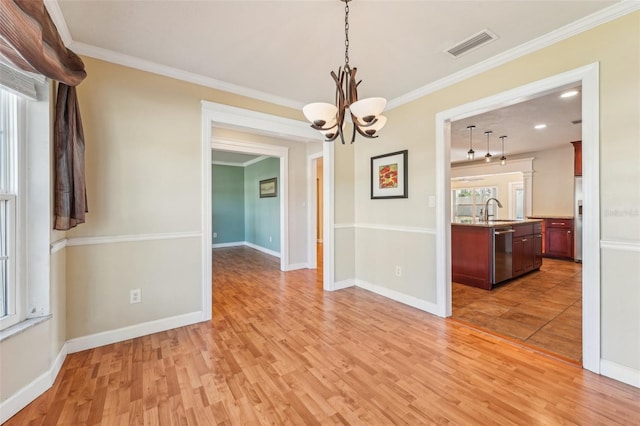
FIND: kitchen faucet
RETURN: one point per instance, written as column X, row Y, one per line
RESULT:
column 486, row 208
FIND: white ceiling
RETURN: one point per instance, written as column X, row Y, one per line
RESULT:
column 283, row 51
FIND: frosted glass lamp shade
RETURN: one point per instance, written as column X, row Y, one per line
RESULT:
column 367, row 109
column 375, row 127
column 320, row 113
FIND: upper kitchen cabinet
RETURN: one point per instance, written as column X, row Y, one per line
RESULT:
column 577, row 158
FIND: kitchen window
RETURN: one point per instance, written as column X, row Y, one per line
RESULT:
column 468, row 203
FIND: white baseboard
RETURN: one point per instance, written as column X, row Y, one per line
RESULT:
column 223, row 245
column 253, row 246
column 37, row 387
column 113, row 336
column 421, row 304
column 620, row 373
column 16, row 402
column 262, row 249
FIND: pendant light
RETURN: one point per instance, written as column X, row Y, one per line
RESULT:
column 471, row 153
column 487, row 158
column 365, row 114
column 503, row 159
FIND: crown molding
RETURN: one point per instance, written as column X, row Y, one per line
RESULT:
column 155, row 68
column 58, row 19
column 615, row 11
column 588, row 22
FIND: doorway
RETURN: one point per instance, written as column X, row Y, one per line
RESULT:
column 587, row 77
column 227, row 117
column 282, row 154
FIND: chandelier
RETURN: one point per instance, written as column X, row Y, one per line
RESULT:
column 365, row 115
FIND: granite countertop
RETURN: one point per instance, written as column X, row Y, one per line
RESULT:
column 499, row 222
column 549, row 216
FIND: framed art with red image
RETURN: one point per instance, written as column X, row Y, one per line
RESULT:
column 389, row 175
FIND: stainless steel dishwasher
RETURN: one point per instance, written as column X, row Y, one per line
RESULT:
column 502, row 254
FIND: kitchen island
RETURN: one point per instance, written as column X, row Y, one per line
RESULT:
column 484, row 254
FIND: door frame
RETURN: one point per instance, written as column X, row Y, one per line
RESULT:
column 588, row 77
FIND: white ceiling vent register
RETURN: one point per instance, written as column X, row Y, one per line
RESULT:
column 483, row 37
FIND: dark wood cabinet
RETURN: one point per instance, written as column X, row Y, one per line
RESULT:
column 577, row 158
column 559, row 238
column 527, row 248
column 538, row 243
column 471, row 255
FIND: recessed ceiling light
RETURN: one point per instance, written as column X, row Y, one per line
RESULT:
column 569, row 94
column 539, row 126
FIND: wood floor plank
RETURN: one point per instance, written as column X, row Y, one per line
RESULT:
column 280, row 350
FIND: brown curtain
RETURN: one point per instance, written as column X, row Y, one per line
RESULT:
column 70, row 197
column 30, row 41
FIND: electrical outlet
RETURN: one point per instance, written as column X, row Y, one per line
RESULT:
column 215, row 235
column 135, row 295
column 398, row 271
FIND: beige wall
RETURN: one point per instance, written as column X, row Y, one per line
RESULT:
column 553, row 181
column 412, row 127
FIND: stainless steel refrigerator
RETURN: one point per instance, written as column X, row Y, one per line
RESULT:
column 577, row 219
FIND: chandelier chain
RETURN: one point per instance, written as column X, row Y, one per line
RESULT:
column 346, row 32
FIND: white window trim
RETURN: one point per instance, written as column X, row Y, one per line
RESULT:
column 30, row 298
column 11, row 181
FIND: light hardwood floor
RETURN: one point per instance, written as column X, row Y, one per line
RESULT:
column 542, row 309
column 280, row 350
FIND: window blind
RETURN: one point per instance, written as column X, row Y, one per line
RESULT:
column 17, row 82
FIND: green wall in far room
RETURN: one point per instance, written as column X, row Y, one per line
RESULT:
column 227, row 192
column 262, row 215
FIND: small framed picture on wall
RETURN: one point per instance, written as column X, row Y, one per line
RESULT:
column 389, row 175
column 268, row 188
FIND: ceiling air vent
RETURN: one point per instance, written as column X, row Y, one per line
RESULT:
column 476, row 40
column 576, row 121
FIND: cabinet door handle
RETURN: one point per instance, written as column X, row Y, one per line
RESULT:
column 568, row 232
column 557, row 223
column 524, row 239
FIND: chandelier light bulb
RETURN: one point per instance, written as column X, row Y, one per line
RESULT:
column 368, row 108
column 320, row 113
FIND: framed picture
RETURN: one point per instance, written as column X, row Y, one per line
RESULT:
column 269, row 188
column 389, row 175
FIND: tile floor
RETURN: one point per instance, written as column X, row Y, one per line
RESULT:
column 542, row 309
